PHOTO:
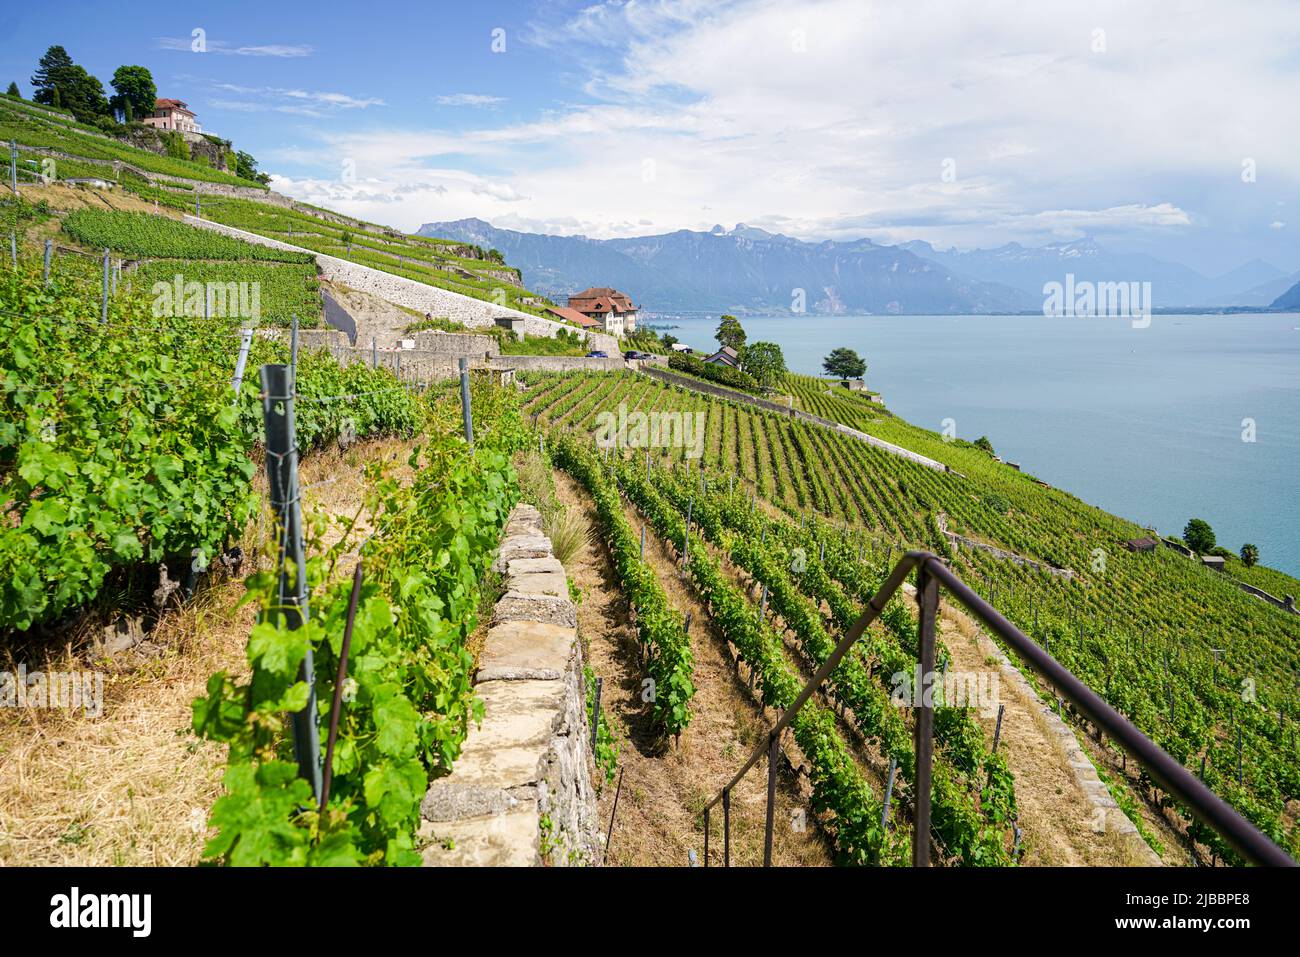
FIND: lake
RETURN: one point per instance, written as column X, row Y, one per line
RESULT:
column 1146, row 423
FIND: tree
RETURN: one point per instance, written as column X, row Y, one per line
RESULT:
column 730, row 333
column 844, row 363
column 49, row 71
column 984, row 445
column 13, row 91
column 60, row 82
column 135, row 92
column 668, row 339
column 764, row 361
column 1249, row 555
column 1199, row 536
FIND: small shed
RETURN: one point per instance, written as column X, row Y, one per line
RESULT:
column 514, row 323
column 854, row 385
column 1141, row 544
column 1215, row 562
column 726, row 356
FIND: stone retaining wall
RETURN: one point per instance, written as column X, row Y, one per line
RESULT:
column 521, row 793
column 415, row 295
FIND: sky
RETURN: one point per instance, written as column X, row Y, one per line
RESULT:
column 1163, row 127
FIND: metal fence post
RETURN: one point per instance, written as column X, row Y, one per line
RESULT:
column 103, row 311
column 773, row 752
column 13, row 166
column 282, row 479
column 245, row 340
column 927, row 599
column 374, row 352
column 726, row 827
column 49, row 249
column 595, row 716
column 466, row 411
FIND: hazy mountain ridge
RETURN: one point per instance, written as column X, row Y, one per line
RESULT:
column 745, row 269
column 748, row 269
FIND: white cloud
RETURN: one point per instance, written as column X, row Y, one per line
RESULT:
column 1277, row 224
column 469, row 99
column 224, row 47
column 833, row 118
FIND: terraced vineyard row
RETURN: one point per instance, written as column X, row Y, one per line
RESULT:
column 842, row 798
column 973, row 800
column 1136, row 610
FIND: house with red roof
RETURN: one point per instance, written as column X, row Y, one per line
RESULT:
column 172, row 115
column 612, row 309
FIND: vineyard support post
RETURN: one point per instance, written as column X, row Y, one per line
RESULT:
column 465, row 409
column 927, row 599
column 997, row 730
column 726, row 827
column 282, row 479
column 706, row 837
column 595, row 715
column 339, row 678
column 889, row 793
column 773, row 753
column 13, row 166
column 49, row 249
column 103, row 308
column 13, row 248
column 374, row 352
column 245, row 340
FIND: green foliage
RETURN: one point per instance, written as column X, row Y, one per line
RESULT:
column 13, row 92
column 844, row 363
column 144, row 235
column 409, row 695
column 730, row 333
column 135, row 92
column 1139, row 631
column 1199, row 536
column 765, row 363
column 606, row 750
column 37, row 127
column 123, row 443
column 60, row 82
column 984, row 445
column 174, row 144
column 712, row 372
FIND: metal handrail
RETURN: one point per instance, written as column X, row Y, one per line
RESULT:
column 932, row 573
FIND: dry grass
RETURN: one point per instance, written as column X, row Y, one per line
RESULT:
column 134, row 786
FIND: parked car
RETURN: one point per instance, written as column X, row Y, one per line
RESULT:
column 597, row 354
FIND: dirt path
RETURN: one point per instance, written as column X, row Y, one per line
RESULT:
column 665, row 786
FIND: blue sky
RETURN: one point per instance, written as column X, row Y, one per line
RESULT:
column 965, row 124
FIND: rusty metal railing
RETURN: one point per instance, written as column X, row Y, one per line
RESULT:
column 932, row 574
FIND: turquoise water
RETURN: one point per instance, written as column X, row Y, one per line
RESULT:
column 1146, row 423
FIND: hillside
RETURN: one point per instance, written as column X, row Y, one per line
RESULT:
column 1288, row 300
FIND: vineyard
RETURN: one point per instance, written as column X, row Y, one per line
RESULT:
column 37, row 128
column 1131, row 626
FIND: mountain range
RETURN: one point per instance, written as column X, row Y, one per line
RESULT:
column 747, row 269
